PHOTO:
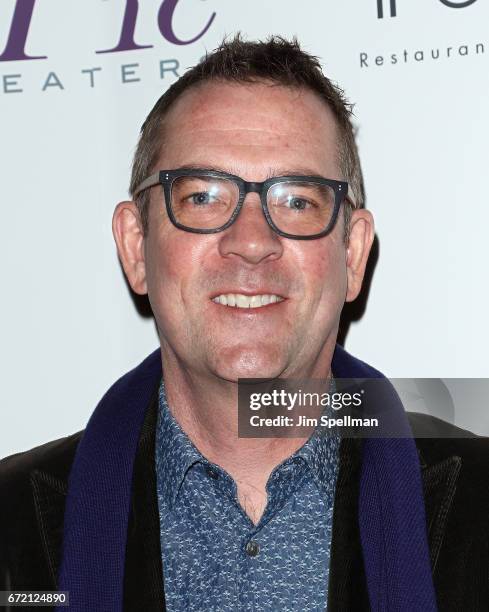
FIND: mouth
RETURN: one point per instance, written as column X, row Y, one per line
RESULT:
column 241, row 300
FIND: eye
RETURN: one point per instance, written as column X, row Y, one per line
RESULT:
column 296, row 203
column 200, row 198
column 296, row 197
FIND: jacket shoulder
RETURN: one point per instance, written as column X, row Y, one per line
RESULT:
column 55, row 457
column 33, row 488
column 436, row 440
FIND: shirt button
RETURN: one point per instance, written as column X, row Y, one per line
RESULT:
column 211, row 472
column 252, row 548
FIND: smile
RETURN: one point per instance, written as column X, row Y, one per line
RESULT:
column 239, row 300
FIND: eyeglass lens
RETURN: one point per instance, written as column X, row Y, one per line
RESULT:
column 296, row 207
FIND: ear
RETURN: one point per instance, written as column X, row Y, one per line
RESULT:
column 129, row 237
column 362, row 233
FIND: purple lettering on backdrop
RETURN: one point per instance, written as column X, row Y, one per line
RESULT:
column 126, row 41
column 21, row 20
column 165, row 19
column 457, row 4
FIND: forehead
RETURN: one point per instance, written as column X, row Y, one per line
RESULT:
column 246, row 125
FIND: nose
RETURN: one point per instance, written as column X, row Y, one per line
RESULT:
column 250, row 237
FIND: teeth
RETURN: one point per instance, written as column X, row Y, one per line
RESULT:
column 242, row 301
column 238, row 300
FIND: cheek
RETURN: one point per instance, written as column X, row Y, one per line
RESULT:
column 164, row 252
column 173, row 261
column 324, row 270
column 157, row 261
column 163, row 277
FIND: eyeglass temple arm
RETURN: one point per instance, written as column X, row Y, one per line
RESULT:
column 151, row 181
column 351, row 197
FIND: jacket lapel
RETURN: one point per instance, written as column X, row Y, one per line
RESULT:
column 49, row 494
column 143, row 578
column 439, row 485
column 347, row 589
column 49, row 487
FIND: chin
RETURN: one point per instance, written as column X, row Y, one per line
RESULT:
column 248, row 364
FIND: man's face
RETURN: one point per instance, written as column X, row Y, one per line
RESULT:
column 254, row 131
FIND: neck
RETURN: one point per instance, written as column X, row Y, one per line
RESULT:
column 206, row 408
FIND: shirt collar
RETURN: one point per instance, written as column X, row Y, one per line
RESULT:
column 175, row 453
column 320, row 452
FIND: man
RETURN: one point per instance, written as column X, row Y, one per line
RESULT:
column 247, row 231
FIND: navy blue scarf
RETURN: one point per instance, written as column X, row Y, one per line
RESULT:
column 391, row 506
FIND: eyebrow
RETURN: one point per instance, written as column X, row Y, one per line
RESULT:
column 272, row 171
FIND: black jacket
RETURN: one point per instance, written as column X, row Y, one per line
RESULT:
column 455, row 474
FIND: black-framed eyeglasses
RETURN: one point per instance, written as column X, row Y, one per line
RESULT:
column 209, row 201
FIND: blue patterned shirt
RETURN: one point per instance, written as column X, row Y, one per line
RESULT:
column 214, row 558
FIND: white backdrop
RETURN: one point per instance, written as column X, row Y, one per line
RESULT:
column 68, row 127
